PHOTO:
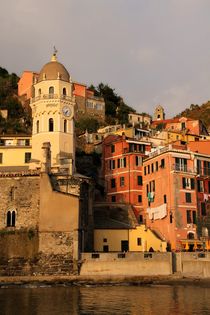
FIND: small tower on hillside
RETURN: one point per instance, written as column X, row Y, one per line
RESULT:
column 159, row 113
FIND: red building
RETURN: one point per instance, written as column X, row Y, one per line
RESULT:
column 123, row 160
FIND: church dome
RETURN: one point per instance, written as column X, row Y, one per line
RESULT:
column 53, row 70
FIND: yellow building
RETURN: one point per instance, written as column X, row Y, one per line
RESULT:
column 15, row 152
column 133, row 240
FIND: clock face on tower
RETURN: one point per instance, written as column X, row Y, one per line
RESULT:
column 66, row 111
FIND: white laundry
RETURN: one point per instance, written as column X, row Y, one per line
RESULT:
column 157, row 213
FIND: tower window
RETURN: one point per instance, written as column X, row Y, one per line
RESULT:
column 64, row 91
column 39, row 91
column 51, row 90
column 65, row 125
column 37, row 126
column 51, row 125
column 11, row 218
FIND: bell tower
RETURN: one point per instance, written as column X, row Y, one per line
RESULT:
column 53, row 107
column 159, row 113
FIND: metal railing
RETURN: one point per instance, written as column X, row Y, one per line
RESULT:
column 183, row 168
column 51, row 96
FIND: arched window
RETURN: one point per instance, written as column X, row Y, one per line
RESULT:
column 64, row 91
column 51, row 90
column 65, row 125
column 11, row 218
column 37, row 126
column 190, row 236
column 39, row 91
column 51, row 124
column 8, row 218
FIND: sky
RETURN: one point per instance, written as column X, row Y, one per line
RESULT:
column 150, row 51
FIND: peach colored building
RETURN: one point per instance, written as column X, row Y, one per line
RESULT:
column 174, row 206
column 25, row 86
column 123, row 159
column 184, row 124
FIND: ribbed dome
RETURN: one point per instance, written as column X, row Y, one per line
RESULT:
column 53, row 70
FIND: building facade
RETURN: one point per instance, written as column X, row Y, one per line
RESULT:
column 123, row 160
column 173, row 196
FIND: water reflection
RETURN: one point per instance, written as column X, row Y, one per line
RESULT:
column 107, row 300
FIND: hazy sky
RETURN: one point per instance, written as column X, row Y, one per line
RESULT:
column 151, row 51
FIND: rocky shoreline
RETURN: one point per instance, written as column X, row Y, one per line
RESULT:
column 39, row 281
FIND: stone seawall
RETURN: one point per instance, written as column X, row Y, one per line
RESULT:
column 129, row 264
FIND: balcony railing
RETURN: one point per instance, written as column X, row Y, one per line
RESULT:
column 183, row 168
column 51, row 96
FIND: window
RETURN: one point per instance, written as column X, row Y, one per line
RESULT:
column 121, row 162
column 188, row 197
column 64, row 91
column 152, row 186
column 27, row 157
column 139, row 160
column 112, row 164
column 162, row 163
column 113, row 198
column 105, row 240
column 113, row 183
column 139, row 198
column 206, row 168
column 37, row 126
column 189, row 219
column 65, row 125
column 51, row 125
column 203, row 208
column 139, row 241
column 164, row 199
column 183, row 125
column 1, row 158
column 27, row 142
column 156, row 165
column 141, row 218
column 180, row 164
column 198, row 166
column 171, row 218
column 39, row 91
column 11, row 218
column 194, row 217
column 51, row 90
column 148, row 169
column 200, row 186
column 152, row 167
column 188, row 183
column 122, row 181
column 145, row 170
column 112, row 148
column 139, row 180
column 209, row 187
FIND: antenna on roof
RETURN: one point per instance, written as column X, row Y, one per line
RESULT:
column 55, row 51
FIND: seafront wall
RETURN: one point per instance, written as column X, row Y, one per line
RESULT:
column 129, row 264
column 196, row 264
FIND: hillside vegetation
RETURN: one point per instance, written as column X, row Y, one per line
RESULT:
column 18, row 120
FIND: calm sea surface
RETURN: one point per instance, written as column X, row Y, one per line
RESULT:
column 108, row 300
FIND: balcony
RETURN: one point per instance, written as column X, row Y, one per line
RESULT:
column 51, row 96
column 183, row 169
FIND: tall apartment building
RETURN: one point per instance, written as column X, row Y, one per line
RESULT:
column 123, row 160
column 176, row 193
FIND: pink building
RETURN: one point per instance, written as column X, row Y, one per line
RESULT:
column 174, row 186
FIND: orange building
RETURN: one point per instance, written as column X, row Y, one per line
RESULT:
column 174, row 193
column 184, row 124
column 123, row 160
